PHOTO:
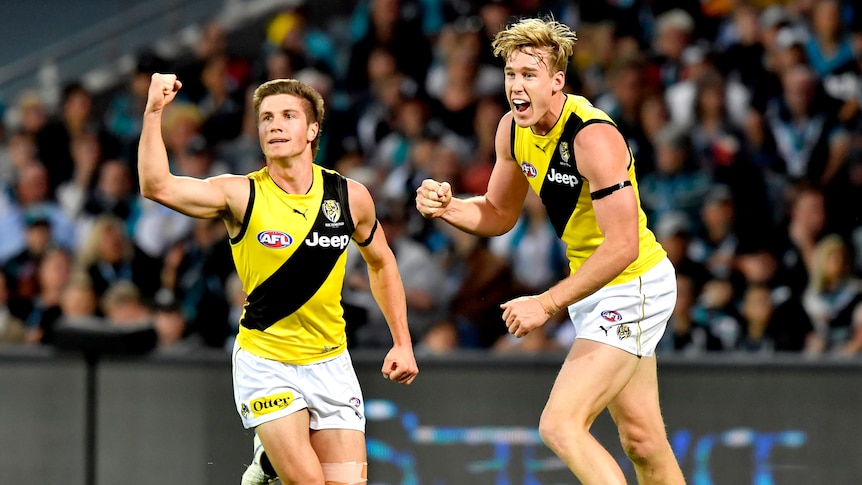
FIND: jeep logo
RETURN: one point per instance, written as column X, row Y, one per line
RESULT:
column 337, row 242
column 563, row 178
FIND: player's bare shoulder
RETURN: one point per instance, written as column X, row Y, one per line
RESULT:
column 503, row 138
column 361, row 202
column 237, row 191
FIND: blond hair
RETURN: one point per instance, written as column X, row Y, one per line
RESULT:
column 313, row 102
column 536, row 34
column 818, row 280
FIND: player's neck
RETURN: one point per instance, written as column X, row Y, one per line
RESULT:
column 293, row 177
column 547, row 122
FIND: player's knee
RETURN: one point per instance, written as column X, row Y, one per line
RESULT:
column 350, row 473
column 556, row 432
column 641, row 446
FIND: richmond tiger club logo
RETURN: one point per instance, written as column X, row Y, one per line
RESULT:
column 332, row 210
column 529, row 170
column 624, row 332
column 564, row 154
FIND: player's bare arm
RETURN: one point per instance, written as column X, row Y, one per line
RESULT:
column 603, row 159
column 400, row 363
column 487, row 215
column 224, row 196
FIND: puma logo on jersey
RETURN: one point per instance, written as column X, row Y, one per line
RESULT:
column 563, row 178
column 337, row 242
column 274, row 239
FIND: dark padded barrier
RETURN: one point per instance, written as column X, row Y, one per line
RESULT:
column 468, row 419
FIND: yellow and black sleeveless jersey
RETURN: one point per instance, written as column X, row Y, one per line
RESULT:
column 549, row 164
column 290, row 256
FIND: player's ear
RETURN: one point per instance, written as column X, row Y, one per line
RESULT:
column 313, row 131
column 559, row 80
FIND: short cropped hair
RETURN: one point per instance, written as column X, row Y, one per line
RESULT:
column 313, row 102
column 536, row 33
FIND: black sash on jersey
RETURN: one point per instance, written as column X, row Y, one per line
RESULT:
column 560, row 199
column 299, row 278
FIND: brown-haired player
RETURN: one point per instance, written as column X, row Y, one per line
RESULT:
column 289, row 226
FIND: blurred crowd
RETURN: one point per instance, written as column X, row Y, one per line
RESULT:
column 744, row 118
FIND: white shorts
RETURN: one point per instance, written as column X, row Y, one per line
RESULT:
column 265, row 390
column 630, row 316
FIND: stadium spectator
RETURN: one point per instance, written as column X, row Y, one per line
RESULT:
column 537, row 256
column 108, row 255
column 810, row 142
column 833, row 299
column 32, row 194
column 307, row 46
column 113, row 192
column 829, row 49
column 194, row 278
column 33, row 114
column 478, row 280
column 53, row 273
column 806, row 223
column 421, row 275
column 242, row 154
column 624, row 102
column 479, row 161
column 211, row 42
column 716, row 242
column 78, row 302
column 717, row 307
column 682, row 97
column 740, row 52
column 687, row 333
column 221, row 104
column 122, row 116
column 459, row 78
column 674, row 31
column 674, row 231
column 12, row 329
column 122, row 305
column 394, row 26
column 677, row 184
column 76, row 118
column 86, row 158
column 756, row 311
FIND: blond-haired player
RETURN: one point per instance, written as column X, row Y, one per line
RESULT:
column 621, row 287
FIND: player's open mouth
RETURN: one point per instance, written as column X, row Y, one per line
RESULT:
column 277, row 141
column 520, row 105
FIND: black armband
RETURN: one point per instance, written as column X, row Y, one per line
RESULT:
column 601, row 193
column 370, row 236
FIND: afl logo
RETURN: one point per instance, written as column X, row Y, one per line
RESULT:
column 355, row 402
column 611, row 316
column 274, row 239
column 529, row 170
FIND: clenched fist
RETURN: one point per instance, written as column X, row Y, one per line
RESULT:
column 163, row 89
column 432, row 198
